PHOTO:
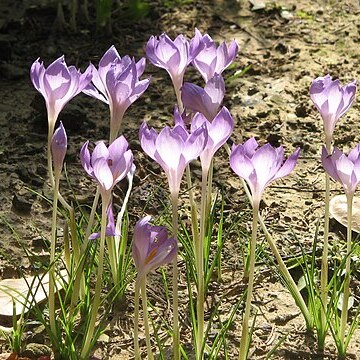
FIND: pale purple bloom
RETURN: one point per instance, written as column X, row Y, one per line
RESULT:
column 152, row 246
column 332, row 100
column 58, row 148
column 173, row 148
column 110, row 227
column 219, row 130
column 58, row 84
column 213, row 60
column 173, row 55
column 343, row 169
column 116, row 82
column 205, row 100
column 107, row 165
column 260, row 166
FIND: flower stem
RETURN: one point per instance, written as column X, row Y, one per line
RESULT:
column 176, row 332
column 146, row 318
column 345, row 304
column 324, row 261
column 136, row 320
column 52, row 260
column 245, row 340
column 96, row 302
column 200, row 268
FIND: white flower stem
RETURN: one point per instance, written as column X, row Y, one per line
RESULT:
column 324, row 260
column 345, row 304
column 176, row 332
column 146, row 318
column 245, row 339
column 96, row 301
column 200, row 268
column 136, row 319
column 52, row 259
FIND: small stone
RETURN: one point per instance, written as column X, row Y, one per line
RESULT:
column 22, row 204
column 34, row 351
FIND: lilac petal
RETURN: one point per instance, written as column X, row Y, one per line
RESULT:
column 328, row 164
column 59, row 147
column 147, row 139
column 100, row 151
column 169, row 146
column 195, row 144
column 240, row 163
column 103, row 174
column 85, row 158
column 122, row 167
column 250, row 147
column 349, row 92
column 139, row 88
column 140, row 66
column 110, row 58
column 141, row 241
column 288, row 165
column 117, row 148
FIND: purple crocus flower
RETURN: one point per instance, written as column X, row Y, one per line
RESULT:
column 58, row 148
column 213, row 60
column 116, row 82
column 173, row 55
column 343, row 169
column 110, row 227
column 152, row 246
column 332, row 100
column 173, row 148
column 107, row 165
column 58, row 84
column 205, row 100
column 219, row 130
column 260, row 166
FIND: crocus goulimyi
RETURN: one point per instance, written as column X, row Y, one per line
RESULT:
column 219, row 130
column 213, row 60
column 58, row 84
column 343, row 169
column 117, row 83
column 205, row 100
column 107, row 165
column 260, row 166
column 152, row 246
column 173, row 55
column 332, row 100
column 173, row 148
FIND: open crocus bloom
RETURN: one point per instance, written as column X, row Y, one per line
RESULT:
column 58, row 84
column 332, row 100
column 260, row 166
column 58, row 148
column 116, row 82
column 213, row 60
column 173, row 148
column 173, row 55
column 152, row 246
column 107, row 165
column 343, row 169
column 205, row 100
column 219, row 130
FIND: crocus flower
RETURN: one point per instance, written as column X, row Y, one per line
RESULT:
column 213, row 60
column 116, row 82
column 110, row 227
column 205, row 100
column 260, row 166
column 173, row 55
column 332, row 100
column 58, row 84
column 173, row 149
column 58, row 148
column 219, row 130
column 107, row 165
column 152, row 246
column 343, row 169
